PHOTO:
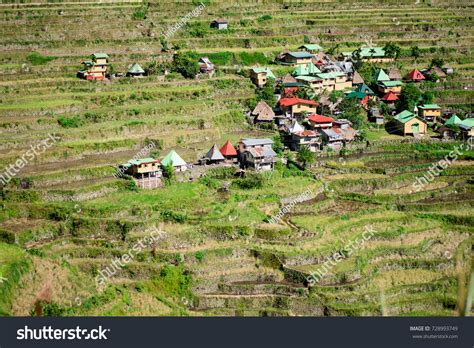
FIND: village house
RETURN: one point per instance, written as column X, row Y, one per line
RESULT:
column 435, row 71
column 467, row 128
column 263, row 113
column 175, row 160
column 287, row 79
column 256, row 154
column 344, row 127
column 376, row 116
column 296, row 58
column 332, row 139
column 357, row 80
column 385, row 85
column 319, row 121
column 334, row 81
column 306, row 70
column 450, row 129
column 135, row 70
column 362, row 97
column 311, row 48
column 229, row 152
column 205, row 65
column 430, row 112
column 296, row 106
column 365, row 89
column 369, row 54
column 96, row 68
column 213, row 156
column 295, row 127
column 315, row 83
column 259, row 76
column 142, row 168
column 305, row 138
column 415, row 76
column 390, row 98
column 219, row 24
column 407, row 123
column 394, row 74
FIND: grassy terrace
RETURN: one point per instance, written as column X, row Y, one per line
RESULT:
column 219, row 255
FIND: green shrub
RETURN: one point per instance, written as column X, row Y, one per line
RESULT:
column 72, row 122
column 37, row 59
column 199, row 255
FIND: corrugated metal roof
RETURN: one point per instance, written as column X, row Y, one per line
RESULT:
column 255, row 141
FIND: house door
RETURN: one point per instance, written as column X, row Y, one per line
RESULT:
column 415, row 128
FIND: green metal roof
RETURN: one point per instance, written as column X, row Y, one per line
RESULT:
column 266, row 70
column 364, row 88
column 100, row 55
column 173, row 158
column 453, row 121
column 330, row 75
column 293, row 84
column 136, row 69
column 390, row 83
column 404, row 116
column 430, row 106
column 381, row 76
column 358, row 95
column 300, row 54
column 308, row 69
column 308, row 78
column 468, row 122
column 367, row 52
column 311, row 47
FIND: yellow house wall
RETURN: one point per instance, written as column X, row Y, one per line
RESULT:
column 422, row 128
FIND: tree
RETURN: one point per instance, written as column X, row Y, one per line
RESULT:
column 266, row 93
column 305, row 156
column 427, row 97
column 415, row 52
column 409, row 97
column 351, row 110
column 392, row 50
column 278, row 146
column 439, row 62
column 168, row 172
column 186, row 64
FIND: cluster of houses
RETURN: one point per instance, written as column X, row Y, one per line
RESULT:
column 314, row 70
column 250, row 153
column 97, row 68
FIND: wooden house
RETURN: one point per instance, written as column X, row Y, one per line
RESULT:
column 305, row 138
column 175, row 160
column 430, row 112
column 385, row 87
column 96, row 68
column 219, row 24
column 381, row 76
column 332, row 139
column 288, row 79
column 415, row 76
column 263, row 113
column 394, row 74
column 205, row 65
column 435, row 70
column 369, row 54
column 213, row 156
column 135, row 70
column 344, row 127
column 319, row 121
column 467, row 128
column 450, row 129
column 311, row 48
column 334, row 81
column 296, row 58
column 229, row 152
column 142, row 168
column 362, row 97
column 296, row 106
column 407, row 123
column 390, row 97
column 357, row 80
column 306, row 70
column 376, row 116
column 259, row 76
column 365, row 89
column 256, row 154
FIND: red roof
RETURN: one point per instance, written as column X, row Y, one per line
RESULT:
column 228, row 149
column 320, row 118
column 293, row 101
column 390, row 96
column 415, row 75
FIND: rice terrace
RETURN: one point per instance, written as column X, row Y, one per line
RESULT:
column 236, row 158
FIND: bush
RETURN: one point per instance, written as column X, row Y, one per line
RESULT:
column 251, row 181
column 37, row 59
column 199, row 255
column 72, row 122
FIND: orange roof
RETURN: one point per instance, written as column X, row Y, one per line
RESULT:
column 390, row 96
column 415, row 75
column 320, row 118
column 293, row 101
column 228, row 149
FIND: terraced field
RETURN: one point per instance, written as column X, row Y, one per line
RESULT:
column 65, row 218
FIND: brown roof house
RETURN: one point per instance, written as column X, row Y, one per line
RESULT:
column 394, row 74
column 256, row 154
column 263, row 113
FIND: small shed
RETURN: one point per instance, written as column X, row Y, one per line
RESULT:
column 408, row 123
column 394, row 74
column 214, row 155
column 220, row 24
column 135, row 70
column 415, row 76
column 263, row 113
column 228, row 151
column 175, row 160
